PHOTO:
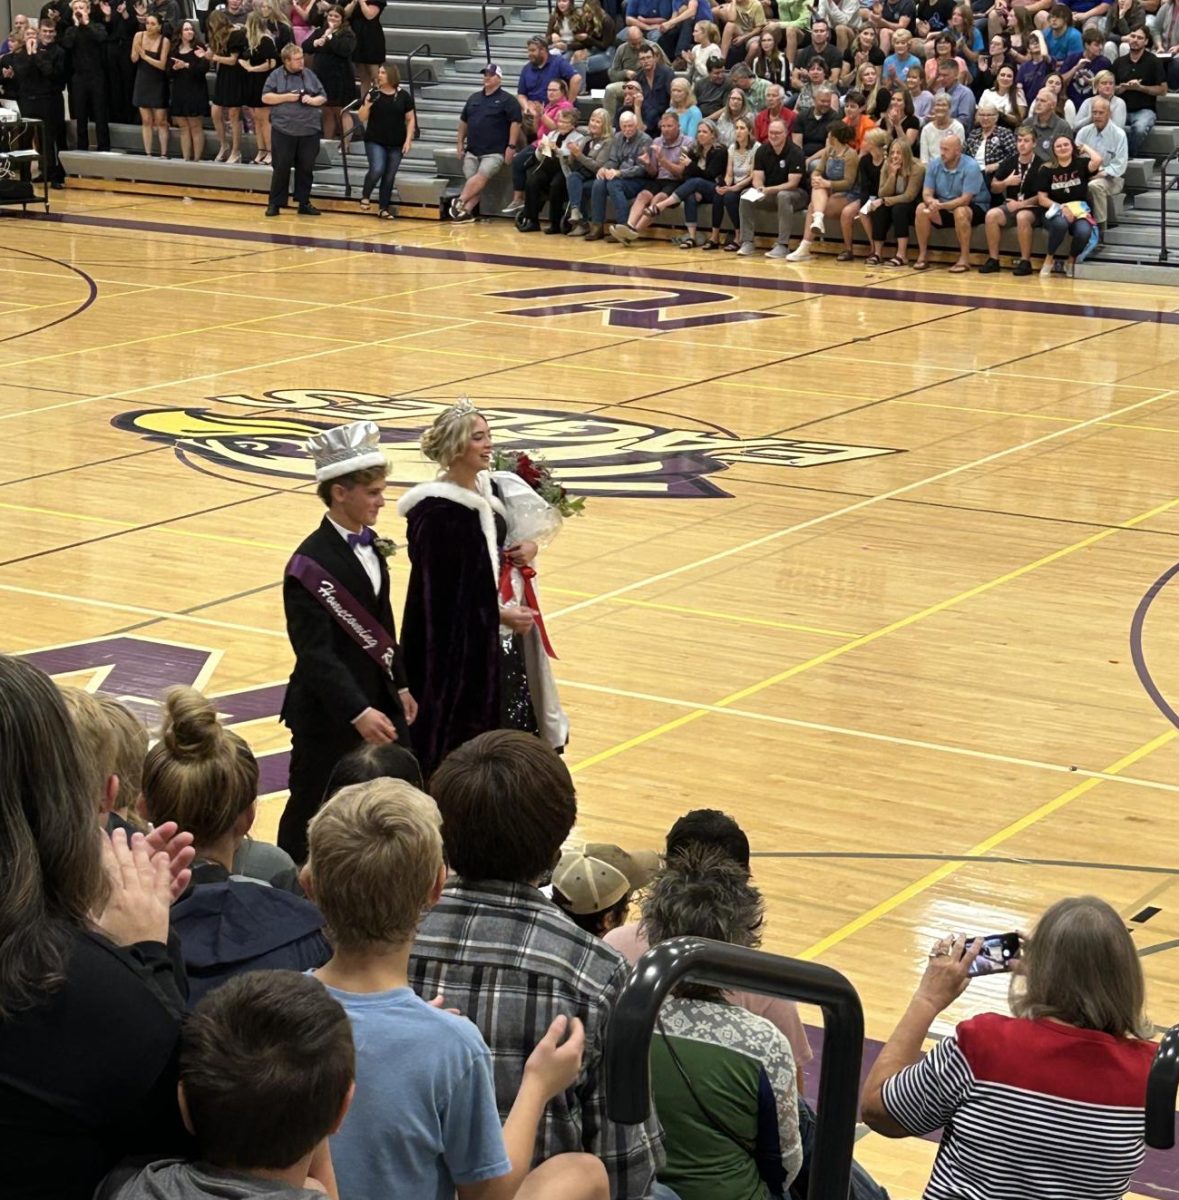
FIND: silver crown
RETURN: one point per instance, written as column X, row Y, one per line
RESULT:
column 344, row 449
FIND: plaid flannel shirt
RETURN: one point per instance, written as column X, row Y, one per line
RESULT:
column 511, row 961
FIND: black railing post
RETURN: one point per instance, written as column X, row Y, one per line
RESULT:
column 1163, row 205
column 411, row 80
column 1161, row 1086
column 628, row 1038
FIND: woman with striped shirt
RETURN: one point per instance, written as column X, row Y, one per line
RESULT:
column 1043, row 1104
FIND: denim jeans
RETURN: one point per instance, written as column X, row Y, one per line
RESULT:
column 621, row 193
column 576, row 184
column 383, row 162
column 696, row 190
column 1059, row 227
column 863, row 1186
column 1138, row 127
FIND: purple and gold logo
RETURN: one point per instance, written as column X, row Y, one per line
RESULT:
column 590, row 455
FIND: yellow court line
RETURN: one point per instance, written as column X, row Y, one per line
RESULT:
column 868, row 735
column 848, row 509
column 980, row 848
column 868, row 638
column 1033, row 416
column 708, row 612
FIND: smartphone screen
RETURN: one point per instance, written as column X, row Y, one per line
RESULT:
column 997, row 953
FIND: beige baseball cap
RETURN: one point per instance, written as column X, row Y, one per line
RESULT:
column 596, row 876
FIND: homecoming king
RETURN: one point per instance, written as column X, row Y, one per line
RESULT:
column 349, row 683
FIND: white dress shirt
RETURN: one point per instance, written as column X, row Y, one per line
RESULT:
column 367, row 556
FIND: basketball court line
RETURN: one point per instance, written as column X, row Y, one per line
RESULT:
column 979, row 849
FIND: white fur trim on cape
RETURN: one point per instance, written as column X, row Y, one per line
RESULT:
column 484, row 505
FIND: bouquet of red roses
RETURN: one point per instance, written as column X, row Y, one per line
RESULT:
column 535, row 472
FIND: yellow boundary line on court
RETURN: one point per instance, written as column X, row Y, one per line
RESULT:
column 868, row 638
column 980, row 848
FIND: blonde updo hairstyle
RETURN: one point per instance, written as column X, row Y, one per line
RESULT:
column 199, row 774
column 450, row 434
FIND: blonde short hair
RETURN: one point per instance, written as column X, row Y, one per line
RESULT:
column 450, row 434
column 97, row 745
column 131, row 743
column 876, row 137
column 374, row 853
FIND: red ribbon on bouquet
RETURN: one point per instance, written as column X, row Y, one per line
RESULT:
column 507, row 594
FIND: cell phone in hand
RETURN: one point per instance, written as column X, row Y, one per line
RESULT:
column 998, row 953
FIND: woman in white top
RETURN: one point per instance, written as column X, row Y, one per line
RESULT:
column 738, row 177
column 1103, row 87
column 736, row 106
column 1004, row 97
column 705, row 45
column 940, row 126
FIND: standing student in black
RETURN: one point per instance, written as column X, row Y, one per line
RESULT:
column 38, row 72
column 84, row 40
column 339, row 696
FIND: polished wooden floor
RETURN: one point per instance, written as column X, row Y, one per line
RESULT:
column 862, row 571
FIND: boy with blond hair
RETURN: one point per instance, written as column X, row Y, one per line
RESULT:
column 423, row 1121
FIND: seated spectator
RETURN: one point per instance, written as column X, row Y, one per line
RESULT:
column 371, row 760
column 683, row 104
column 867, row 187
column 654, row 79
column 595, row 884
column 1078, row 72
column 808, row 83
column 998, row 56
column 204, row 777
column 942, row 54
column 1104, row 87
column 131, row 742
column 708, row 828
column 84, row 972
column 775, row 110
column 546, row 182
column 625, row 66
column 647, row 16
column 1068, row 1070
column 766, row 59
column 755, row 89
column 1065, row 108
column 902, row 179
column 856, row 118
column 423, row 1120
column 867, row 84
column 1061, row 38
column 703, row 175
column 1003, row 97
column 736, row 109
column 989, row 143
column 953, row 185
column 821, row 47
column 833, row 176
column 738, row 180
column 713, row 87
column 587, row 156
column 705, row 50
column 896, row 67
column 793, row 19
column 968, row 38
column 1017, row 181
column 741, row 23
column 1046, row 125
column 1112, row 145
column 962, row 102
column 811, row 129
column 266, row 1070
column 709, row 1056
column 591, row 49
column 941, row 126
column 544, row 122
column 892, row 16
column 919, row 94
column 898, row 120
column 846, row 17
column 778, row 170
column 1166, row 38
column 1034, row 70
column 1140, row 81
column 1064, row 196
column 488, row 130
column 498, row 950
column 863, row 52
column 622, row 178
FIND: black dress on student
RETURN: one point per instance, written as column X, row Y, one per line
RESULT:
column 333, row 65
column 190, row 85
column 254, row 81
column 230, row 86
column 370, row 35
column 151, row 84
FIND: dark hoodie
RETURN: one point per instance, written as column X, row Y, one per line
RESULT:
column 175, row 1180
column 228, row 925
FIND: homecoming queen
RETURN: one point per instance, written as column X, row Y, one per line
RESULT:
column 473, row 641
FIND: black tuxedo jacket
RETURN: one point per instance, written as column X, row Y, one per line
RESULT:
column 334, row 680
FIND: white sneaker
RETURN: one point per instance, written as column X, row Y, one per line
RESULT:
column 802, row 254
column 1046, row 269
column 778, row 251
column 745, row 249
column 819, row 223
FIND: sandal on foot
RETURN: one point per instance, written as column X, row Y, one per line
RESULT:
column 365, row 204
column 920, row 266
column 895, row 261
column 844, row 256
column 651, row 211
column 873, row 260
column 959, row 268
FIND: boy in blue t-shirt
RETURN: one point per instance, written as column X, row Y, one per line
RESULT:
column 1061, row 37
column 423, row 1121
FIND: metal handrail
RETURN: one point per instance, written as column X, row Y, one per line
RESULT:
column 1161, row 1085
column 1163, row 203
column 488, row 25
column 628, row 1038
column 411, row 79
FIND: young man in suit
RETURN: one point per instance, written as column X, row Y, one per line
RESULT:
column 348, row 685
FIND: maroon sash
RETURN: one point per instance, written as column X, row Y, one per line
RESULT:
column 346, row 611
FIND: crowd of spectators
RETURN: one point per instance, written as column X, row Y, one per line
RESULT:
column 897, row 118
column 421, row 1007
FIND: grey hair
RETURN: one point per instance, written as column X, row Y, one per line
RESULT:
column 826, row 88
column 987, row 108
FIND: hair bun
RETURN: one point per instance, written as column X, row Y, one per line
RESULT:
column 190, row 728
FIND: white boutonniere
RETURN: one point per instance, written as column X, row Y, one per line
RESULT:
column 385, row 547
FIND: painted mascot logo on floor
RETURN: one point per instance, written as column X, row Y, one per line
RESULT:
column 589, row 454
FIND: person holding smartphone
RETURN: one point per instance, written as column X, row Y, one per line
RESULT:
column 296, row 96
column 1042, row 1103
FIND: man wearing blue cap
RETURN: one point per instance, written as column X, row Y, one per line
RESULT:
column 349, row 684
column 487, row 134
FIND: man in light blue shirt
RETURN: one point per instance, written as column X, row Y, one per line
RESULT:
column 962, row 102
column 1111, row 143
column 954, row 189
